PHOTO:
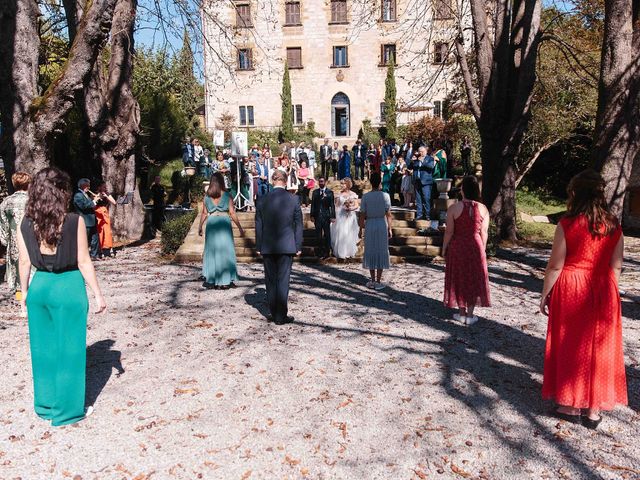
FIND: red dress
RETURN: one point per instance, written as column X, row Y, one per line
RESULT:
column 584, row 363
column 466, row 279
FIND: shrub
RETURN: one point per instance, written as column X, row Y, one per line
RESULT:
column 175, row 231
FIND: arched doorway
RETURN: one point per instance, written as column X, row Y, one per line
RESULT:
column 340, row 115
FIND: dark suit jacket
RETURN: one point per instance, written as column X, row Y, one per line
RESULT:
column 326, row 158
column 323, row 207
column 85, row 208
column 363, row 153
column 278, row 223
column 423, row 170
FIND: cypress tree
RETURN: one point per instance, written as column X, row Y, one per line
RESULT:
column 286, row 127
column 390, row 100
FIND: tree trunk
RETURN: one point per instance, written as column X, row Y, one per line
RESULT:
column 33, row 121
column 113, row 116
column 499, row 186
column 500, row 102
column 19, row 45
column 617, row 136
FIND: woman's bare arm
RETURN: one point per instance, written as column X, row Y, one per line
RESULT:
column 24, row 266
column 234, row 217
column 85, row 265
column 450, row 226
column 554, row 267
column 616, row 258
column 203, row 218
column 484, row 233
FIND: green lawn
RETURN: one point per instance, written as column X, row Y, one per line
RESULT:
column 537, row 203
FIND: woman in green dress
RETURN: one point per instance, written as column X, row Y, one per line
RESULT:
column 387, row 169
column 219, row 258
column 440, row 157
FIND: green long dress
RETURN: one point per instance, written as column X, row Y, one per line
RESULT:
column 219, row 259
column 440, row 170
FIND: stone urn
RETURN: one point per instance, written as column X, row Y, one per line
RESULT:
column 444, row 187
column 190, row 171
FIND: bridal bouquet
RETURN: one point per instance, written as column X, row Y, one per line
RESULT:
column 350, row 204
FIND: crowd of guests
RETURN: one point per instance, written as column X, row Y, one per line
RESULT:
column 407, row 172
column 584, row 370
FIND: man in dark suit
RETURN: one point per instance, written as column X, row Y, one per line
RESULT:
column 422, row 171
column 325, row 157
column 278, row 239
column 85, row 207
column 359, row 157
column 323, row 214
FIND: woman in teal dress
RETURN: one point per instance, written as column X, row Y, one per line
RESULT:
column 219, row 258
column 387, row 169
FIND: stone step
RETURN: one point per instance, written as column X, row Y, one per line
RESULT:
column 395, row 260
column 416, row 240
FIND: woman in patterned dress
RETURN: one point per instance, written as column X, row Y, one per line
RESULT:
column 466, row 279
column 11, row 213
column 584, row 370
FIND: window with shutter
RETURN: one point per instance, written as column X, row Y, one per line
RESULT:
column 245, row 59
column 440, row 52
column 292, row 11
column 243, row 115
column 383, row 111
column 243, row 15
column 250, row 119
column 297, row 114
column 388, row 10
column 294, row 57
column 388, row 54
column 437, row 108
column 338, row 11
column 340, row 58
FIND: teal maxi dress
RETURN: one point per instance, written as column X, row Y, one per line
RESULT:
column 219, row 258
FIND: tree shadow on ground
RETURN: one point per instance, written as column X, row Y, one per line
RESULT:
column 101, row 361
column 494, row 355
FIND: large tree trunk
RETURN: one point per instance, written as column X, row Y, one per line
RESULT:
column 113, row 116
column 617, row 136
column 500, row 102
column 33, row 121
column 19, row 45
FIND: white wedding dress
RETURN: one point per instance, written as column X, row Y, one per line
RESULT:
column 344, row 232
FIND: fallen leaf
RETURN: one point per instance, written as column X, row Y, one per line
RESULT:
column 420, row 474
column 246, row 475
column 291, row 461
column 458, row 471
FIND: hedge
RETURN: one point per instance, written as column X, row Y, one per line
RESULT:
column 175, row 231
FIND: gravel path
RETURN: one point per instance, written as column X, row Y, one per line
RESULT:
column 365, row 385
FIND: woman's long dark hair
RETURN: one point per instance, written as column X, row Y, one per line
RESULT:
column 471, row 188
column 586, row 197
column 48, row 204
column 216, row 185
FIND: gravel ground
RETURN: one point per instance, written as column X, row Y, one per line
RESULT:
column 365, row 385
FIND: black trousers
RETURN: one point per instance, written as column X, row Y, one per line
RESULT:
column 93, row 240
column 359, row 170
column 323, row 235
column 277, row 273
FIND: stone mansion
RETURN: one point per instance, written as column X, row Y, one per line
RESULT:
column 337, row 51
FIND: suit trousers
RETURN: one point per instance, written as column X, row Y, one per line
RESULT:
column 277, row 274
column 93, row 240
column 359, row 169
column 423, row 200
column 323, row 234
column 57, row 308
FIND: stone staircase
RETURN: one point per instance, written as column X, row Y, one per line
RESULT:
column 405, row 245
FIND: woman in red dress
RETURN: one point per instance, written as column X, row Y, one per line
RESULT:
column 466, row 279
column 584, row 364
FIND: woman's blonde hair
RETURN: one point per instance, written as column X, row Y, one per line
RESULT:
column 347, row 181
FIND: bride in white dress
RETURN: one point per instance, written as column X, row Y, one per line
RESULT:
column 344, row 231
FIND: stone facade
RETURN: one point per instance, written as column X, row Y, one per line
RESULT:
column 334, row 97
